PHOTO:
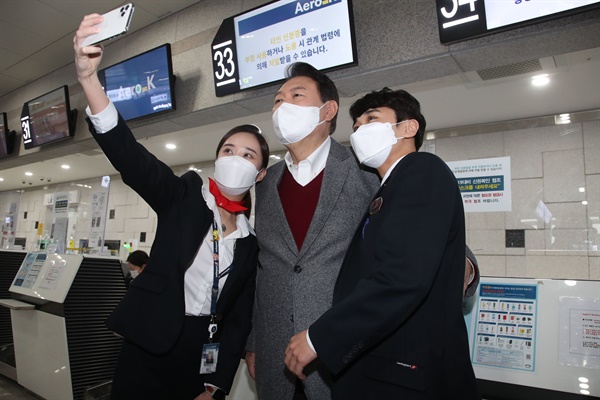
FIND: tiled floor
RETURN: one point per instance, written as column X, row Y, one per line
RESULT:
column 11, row 390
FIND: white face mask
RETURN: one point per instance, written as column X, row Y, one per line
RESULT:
column 373, row 143
column 134, row 273
column 234, row 175
column 293, row 123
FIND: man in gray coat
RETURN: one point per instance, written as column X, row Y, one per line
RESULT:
column 307, row 210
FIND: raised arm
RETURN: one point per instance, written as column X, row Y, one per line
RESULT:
column 143, row 172
column 87, row 60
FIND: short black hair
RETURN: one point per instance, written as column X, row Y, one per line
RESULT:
column 402, row 102
column 139, row 258
column 327, row 89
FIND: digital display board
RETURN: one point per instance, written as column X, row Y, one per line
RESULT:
column 463, row 19
column 142, row 85
column 48, row 118
column 254, row 48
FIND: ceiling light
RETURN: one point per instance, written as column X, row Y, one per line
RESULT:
column 583, row 379
column 29, row 173
column 540, row 80
column 584, row 391
column 275, row 157
column 584, row 386
column 562, row 119
column 570, row 283
column 65, row 166
column 584, row 202
column 582, row 189
column 171, row 146
column 1, row 179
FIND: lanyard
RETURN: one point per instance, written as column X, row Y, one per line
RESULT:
column 212, row 328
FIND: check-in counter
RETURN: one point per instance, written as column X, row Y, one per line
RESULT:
column 10, row 261
column 58, row 306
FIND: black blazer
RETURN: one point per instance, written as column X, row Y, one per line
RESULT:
column 396, row 328
column 152, row 312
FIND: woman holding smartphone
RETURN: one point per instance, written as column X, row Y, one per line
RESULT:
column 196, row 294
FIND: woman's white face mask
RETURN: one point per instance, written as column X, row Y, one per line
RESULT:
column 292, row 123
column 373, row 142
column 234, row 175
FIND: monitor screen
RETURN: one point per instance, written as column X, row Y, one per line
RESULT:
column 466, row 19
column 254, row 48
column 6, row 137
column 48, row 118
column 142, row 85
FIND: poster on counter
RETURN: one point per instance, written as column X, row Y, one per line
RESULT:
column 506, row 321
column 61, row 223
column 99, row 212
column 51, row 277
column 484, row 183
column 30, row 270
column 579, row 332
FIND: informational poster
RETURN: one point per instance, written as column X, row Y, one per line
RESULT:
column 30, row 270
column 505, row 324
column 61, row 223
column 485, row 184
column 579, row 332
column 99, row 208
column 51, row 277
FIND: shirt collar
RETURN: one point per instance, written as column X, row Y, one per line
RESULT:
column 315, row 162
column 389, row 171
column 243, row 225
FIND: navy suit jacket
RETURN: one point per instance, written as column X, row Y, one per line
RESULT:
column 396, row 328
column 152, row 313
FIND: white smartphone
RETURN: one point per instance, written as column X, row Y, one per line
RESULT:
column 116, row 22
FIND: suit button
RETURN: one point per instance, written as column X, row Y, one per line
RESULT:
column 297, row 269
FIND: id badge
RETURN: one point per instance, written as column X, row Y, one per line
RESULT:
column 210, row 354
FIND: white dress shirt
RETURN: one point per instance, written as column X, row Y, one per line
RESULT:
column 199, row 276
column 308, row 169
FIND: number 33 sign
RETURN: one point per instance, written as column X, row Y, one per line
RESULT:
column 224, row 59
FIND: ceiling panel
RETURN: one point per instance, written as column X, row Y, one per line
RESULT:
column 33, row 33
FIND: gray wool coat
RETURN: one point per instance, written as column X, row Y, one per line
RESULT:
column 295, row 287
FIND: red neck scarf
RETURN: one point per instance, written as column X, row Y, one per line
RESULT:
column 224, row 202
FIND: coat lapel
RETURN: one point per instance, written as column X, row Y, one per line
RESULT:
column 271, row 195
column 334, row 177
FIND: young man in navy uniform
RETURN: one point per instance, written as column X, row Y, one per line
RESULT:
column 396, row 328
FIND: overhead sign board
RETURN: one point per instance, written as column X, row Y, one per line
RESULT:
column 463, row 19
column 254, row 48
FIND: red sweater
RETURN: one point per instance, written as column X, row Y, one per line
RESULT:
column 299, row 203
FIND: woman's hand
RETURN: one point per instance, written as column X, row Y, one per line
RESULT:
column 204, row 396
column 87, row 58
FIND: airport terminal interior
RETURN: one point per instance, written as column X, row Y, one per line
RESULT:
column 511, row 94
